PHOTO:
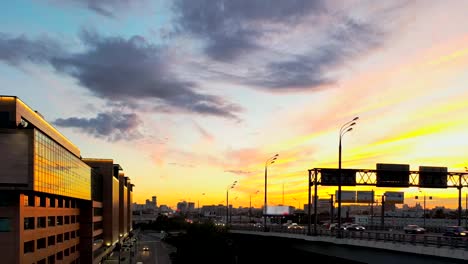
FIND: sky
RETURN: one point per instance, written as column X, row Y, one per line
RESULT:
column 189, row 96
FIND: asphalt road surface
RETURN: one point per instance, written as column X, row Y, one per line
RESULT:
column 158, row 252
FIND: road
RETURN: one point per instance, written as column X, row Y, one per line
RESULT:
column 158, row 252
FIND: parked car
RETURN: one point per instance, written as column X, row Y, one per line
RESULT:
column 414, row 229
column 295, row 226
column 355, row 227
column 455, row 231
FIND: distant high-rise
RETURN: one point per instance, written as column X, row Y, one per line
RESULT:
column 154, row 200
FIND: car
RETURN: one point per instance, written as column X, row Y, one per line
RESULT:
column 295, row 226
column 334, row 227
column 145, row 248
column 455, row 231
column 355, row 227
column 414, row 229
column 257, row 225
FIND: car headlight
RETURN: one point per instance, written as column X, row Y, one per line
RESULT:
column 462, row 234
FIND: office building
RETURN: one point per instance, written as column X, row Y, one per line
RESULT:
column 54, row 206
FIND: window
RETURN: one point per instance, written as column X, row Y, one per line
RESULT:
column 28, row 223
column 52, row 203
column 41, row 243
column 72, row 249
column 67, row 203
column 72, row 234
column 28, row 200
column 29, row 246
column 42, row 201
column 60, row 202
column 51, row 259
column 97, row 211
column 6, row 199
column 5, row 224
column 42, row 261
column 60, row 256
column 67, row 219
column 41, row 222
column 51, row 221
column 51, row 240
column 67, row 236
column 59, row 220
column 60, row 238
column 77, row 233
column 73, row 219
column 67, row 252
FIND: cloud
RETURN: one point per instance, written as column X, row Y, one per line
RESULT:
column 113, row 126
column 231, row 28
column 282, row 45
column 240, row 172
column 108, row 8
column 349, row 40
column 130, row 72
column 14, row 50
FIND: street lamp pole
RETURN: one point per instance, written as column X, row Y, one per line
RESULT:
column 227, row 200
column 344, row 129
column 250, row 206
column 268, row 162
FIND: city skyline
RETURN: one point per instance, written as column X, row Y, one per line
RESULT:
column 191, row 104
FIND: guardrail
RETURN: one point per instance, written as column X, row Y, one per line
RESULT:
column 390, row 237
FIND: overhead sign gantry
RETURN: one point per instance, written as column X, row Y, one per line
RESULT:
column 387, row 176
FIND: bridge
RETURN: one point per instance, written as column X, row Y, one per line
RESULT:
column 369, row 246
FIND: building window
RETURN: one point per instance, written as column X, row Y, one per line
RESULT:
column 60, row 255
column 67, row 252
column 60, row 202
column 28, row 223
column 42, row 261
column 73, row 219
column 52, row 202
column 59, row 220
column 67, row 203
column 72, row 233
column 51, row 221
column 29, row 246
column 67, row 219
column 67, row 236
column 42, row 201
column 51, row 240
column 41, row 243
column 28, row 200
column 5, row 224
column 41, row 222
column 97, row 211
column 59, row 238
column 72, row 249
column 51, row 259
column 77, row 233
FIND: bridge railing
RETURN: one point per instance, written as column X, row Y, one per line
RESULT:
column 382, row 236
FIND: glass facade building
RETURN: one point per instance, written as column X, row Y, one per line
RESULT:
column 57, row 171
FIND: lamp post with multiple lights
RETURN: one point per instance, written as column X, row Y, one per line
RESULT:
column 344, row 129
column 268, row 162
column 231, row 186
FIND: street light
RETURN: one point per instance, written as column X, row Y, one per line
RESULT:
column 250, row 207
column 343, row 130
column 227, row 200
column 268, row 162
column 424, row 208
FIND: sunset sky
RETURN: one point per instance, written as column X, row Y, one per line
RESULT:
column 192, row 95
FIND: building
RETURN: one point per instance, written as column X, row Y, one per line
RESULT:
column 43, row 184
column 55, row 207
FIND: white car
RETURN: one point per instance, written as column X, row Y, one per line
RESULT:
column 414, row 229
